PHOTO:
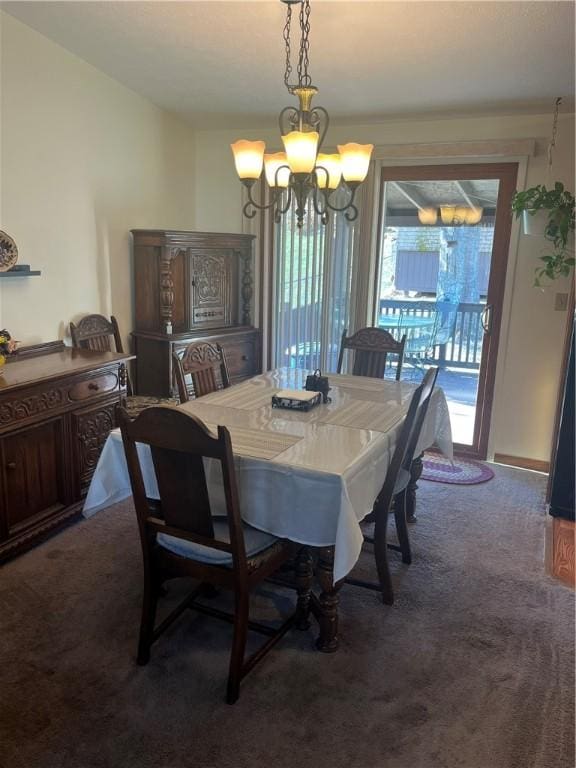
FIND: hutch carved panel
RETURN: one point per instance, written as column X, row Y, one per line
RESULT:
column 192, row 286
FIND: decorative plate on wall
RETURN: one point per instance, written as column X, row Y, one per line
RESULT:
column 8, row 252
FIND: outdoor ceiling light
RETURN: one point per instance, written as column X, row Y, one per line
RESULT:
column 451, row 215
column 301, row 171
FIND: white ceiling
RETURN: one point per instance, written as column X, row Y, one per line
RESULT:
column 219, row 63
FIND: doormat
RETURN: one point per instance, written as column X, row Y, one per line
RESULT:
column 439, row 469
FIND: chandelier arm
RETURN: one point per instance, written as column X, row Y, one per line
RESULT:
column 326, row 124
column 316, row 197
column 282, row 209
column 294, row 119
column 280, row 168
column 251, row 206
column 352, row 213
column 321, row 211
column 349, row 204
column 250, row 209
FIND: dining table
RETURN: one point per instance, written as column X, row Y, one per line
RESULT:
column 307, row 476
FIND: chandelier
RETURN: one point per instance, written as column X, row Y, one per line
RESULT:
column 451, row 215
column 302, row 172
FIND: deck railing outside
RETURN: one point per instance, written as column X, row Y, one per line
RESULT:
column 464, row 347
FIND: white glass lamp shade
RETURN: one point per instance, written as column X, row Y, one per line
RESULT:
column 355, row 161
column 248, row 158
column 428, row 216
column 271, row 164
column 331, row 166
column 301, row 148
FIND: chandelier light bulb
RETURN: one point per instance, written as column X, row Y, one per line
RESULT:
column 248, row 158
column 355, row 161
column 301, row 149
column 276, row 175
column 331, row 165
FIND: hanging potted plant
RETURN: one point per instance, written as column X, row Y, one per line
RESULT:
column 555, row 210
column 549, row 213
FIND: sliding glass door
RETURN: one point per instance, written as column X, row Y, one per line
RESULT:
column 313, row 276
column 443, row 252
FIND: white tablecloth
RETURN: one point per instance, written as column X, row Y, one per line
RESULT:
column 309, row 477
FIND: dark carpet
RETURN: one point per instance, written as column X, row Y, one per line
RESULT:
column 473, row 665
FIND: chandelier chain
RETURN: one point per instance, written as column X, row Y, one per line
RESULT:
column 286, row 34
column 552, row 144
column 304, row 57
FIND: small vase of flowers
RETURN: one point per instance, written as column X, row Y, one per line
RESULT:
column 7, row 346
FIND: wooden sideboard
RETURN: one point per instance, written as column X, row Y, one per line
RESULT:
column 192, row 286
column 56, row 410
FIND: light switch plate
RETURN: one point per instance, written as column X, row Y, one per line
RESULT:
column 561, row 302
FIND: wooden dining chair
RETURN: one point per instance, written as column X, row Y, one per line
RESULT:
column 181, row 538
column 394, row 491
column 371, row 347
column 97, row 333
column 200, row 368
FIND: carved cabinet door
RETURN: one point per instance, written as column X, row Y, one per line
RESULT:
column 91, row 428
column 212, row 288
column 34, row 483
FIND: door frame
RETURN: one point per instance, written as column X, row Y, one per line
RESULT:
column 507, row 174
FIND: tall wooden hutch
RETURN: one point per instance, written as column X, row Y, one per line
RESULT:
column 191, row 286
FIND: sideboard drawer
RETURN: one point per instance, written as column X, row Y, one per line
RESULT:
column 240, row 358
column 98, row 385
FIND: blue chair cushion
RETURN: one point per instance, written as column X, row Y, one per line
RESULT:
column 255, row 541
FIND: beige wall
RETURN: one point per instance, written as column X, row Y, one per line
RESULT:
column 83, row 161
column 532, row 332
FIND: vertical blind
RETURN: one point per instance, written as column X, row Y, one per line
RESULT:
column 312, row 289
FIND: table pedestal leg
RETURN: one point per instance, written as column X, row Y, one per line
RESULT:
column 415, row 472
column 304, row 573
column 328, row 619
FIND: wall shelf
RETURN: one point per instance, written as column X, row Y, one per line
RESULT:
column 20, row 270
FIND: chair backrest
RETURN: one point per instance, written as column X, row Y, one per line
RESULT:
column 178, row 443
column 371, row 347
column 408, row 439
column 97, row 333
column 200, row 368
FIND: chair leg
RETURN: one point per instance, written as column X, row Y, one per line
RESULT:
column 381, row 556
column 402, row 527
column 149, row 602
column 238, row 645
